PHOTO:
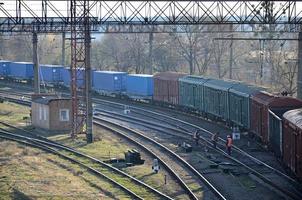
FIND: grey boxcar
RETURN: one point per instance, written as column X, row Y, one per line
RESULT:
column 216, row 98
column 240, row 103
column 191, row 92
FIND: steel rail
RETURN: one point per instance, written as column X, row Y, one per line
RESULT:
column 155, row 126
column 236, row 148
column 174, row 155
column 48, row 142
column 257, row 161
column 208, row 132
column 46, row 148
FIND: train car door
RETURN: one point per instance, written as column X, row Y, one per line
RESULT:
column 194, row 96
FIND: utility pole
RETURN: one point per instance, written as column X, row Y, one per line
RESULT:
column 150, row 52
column 261, row 43
column 231, row 58
column 299, row 81
column 1, row 46
column 88, row 82
column 36, row 64
column 63, row 49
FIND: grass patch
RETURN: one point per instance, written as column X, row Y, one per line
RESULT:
column 14, row 113
column 40, row 177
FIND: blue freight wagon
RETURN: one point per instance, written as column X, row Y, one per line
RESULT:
column 21, row 70
column 51, row 73
column 4, row 68
column 216, row 98
column 139, row 86
column 65, row 74
column 109, row 82
column 191, row 92
column 240, row 104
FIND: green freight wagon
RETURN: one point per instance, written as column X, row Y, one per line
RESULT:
column 191, row 92
column 240, row 104
column 275, row 131
column 216, row 98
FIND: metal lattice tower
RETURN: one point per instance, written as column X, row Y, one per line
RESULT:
column 80, row 69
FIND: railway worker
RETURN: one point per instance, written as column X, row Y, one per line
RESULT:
column 229, row 143
column 215, row 139
column 196, row 137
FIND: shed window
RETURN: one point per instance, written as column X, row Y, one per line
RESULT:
column 64, row 115
column 42, row 113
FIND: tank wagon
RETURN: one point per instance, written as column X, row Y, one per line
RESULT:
column 292, row 137
column 139, row 86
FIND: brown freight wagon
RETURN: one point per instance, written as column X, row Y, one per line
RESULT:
column 292, row 141
column 261, row 104
column 166, row 87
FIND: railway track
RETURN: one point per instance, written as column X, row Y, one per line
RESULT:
column 176, row 123
column 167, row 156
column 164, row 163
column 258, row 169
column 103, row 170
column 182, row 129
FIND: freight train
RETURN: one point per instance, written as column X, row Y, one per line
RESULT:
column 276, row 120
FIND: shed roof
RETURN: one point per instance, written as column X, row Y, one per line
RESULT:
column 294, row 116
column 47, row 99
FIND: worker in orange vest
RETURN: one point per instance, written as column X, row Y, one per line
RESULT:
column 229, row 143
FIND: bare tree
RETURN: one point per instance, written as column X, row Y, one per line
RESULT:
column 193, row 47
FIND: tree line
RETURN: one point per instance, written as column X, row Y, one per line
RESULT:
column 269, row 63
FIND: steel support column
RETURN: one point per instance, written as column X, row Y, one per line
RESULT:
column 299, row 81
column 80, row 69
column 231, row 59
column 36, row 64
column 88, row 82
column 151, row 53
column 63, row 49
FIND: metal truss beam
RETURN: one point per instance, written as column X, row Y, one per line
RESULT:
column 110, row 16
